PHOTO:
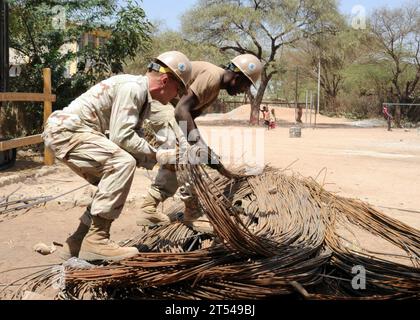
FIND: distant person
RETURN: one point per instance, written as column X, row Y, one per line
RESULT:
column 299, row 113
column 272, row 119
column 264, row 108
column 266, row 116
column 387, row 116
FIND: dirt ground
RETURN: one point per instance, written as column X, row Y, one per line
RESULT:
column 371, row 164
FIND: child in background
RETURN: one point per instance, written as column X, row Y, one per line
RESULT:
column 266, row 116
column 272, row 119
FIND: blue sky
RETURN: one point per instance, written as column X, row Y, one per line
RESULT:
column 170, row 11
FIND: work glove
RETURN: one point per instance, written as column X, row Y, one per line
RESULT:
column 202, row 154
column 166, row 156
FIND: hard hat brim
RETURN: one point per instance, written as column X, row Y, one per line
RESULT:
column 248, row 77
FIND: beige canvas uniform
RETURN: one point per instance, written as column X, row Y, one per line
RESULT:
column 206, row 79
column 99, row 137
column 167, row 133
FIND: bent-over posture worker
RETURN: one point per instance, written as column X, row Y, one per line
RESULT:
column 206, row 82
column 98, row 137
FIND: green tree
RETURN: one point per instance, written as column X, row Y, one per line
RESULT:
column 41, row 32
column 397, row 37
column 335, row 52
column 260, row 27
column 169, row 40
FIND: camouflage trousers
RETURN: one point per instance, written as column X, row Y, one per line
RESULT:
column 167, row 132
column 96, row 159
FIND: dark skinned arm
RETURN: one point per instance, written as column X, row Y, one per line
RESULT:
column 184, row 112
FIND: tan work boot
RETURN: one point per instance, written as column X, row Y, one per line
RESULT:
column 73, row 243
column 97, row 246
column 149, row 215
column 195, row 218
column 202, row 225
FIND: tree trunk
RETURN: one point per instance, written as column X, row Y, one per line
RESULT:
column 332, row 103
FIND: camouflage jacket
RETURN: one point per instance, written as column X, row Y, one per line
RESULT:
column 116, row 107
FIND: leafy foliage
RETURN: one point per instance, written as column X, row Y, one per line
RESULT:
column 50, row 34
column 263, row 28
column 172, row 40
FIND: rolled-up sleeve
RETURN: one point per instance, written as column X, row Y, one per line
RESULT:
column 130, row 99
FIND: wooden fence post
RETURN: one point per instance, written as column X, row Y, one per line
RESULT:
column 48, row 155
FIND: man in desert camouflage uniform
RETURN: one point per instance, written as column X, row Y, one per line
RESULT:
column 206, row 82
column 98, row 137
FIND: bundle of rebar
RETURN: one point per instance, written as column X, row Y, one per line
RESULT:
column 274, row 235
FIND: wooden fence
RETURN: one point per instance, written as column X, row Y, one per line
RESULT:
column 47, row 98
